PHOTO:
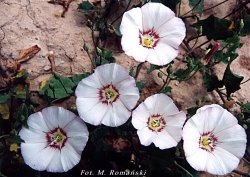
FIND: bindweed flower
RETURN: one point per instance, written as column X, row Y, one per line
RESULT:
column 213, row 140
column 54, row 140
column 210, row 53
column 107, row 96
column 152, row 33
column 158, row 121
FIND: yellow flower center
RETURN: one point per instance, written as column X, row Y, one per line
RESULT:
column 149, row 38
column 56, row 138
column 148, row 41
column 208, row 141
column 108, row 94
column 156, row 123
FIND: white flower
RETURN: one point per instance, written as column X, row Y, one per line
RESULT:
column 213, row 140
column 158, row 120
column 54, row 140
column 152, row 33
column 107, row 96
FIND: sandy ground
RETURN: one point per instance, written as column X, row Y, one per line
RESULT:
column 25, row 23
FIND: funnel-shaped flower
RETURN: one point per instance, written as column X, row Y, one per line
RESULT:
column 158, row 121
column 107, row 96
column 213, row 140
column 152, row 33
column 54, row 140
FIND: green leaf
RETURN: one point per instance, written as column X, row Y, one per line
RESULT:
column 192, row 111
column 78, row 77
column 246, row 25
column 166, row 89
column 229, row 53
column 20, row 91
column 245, row 109
column 85, row 6
column 22, row 74
column 212, row 82
column 22, row 113
column 57, row 87
column 4, row 98
column 104, row 56
column 140, row 85
column 198, row 4
column 117, row 31
column 231, row 81
column 15, row 139
column 215, row 28
column 4, row 111
column 153, row 67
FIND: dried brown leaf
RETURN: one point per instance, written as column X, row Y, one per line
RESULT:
column 9, row 66
column 26, row 54
column 64, row 3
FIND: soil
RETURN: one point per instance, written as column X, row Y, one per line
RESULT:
column 25, row 23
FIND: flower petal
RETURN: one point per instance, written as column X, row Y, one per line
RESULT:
column 55, row 164
column 139, row 53
column 198, row 159
column 154, row 15
column 161, row 54
column 69, row 157
column 76, row 128
column 78, row 143
column 105, row 73
column 120, row 74
column 31, row 135
column 191, row 132
column 95, row 115
column 36, row 121
column 86, row 91
column 164, row 140
column 57, row 116
column 176, row 120
column 37, row 155
column 146, row 136
column 85, row 104
column 174, row 132
column 128, row 92
column 233, row 140
column 164, row 105
column 132, row 20
column 93, row 81
column 221, row 162
column 172, row 32
column 140, row 117
column 116, row 115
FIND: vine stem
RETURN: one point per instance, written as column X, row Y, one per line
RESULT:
column 121, row 13
column 215, row 5
column 192, row 8
column 181, row 167
column 92, row 62
column 221, row 96
column 4, row 136
column 245, row 81
column 167, row 81
column 242, row 173
column 138, row 69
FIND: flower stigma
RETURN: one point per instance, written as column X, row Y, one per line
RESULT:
column 108, row 94
column 56, row 138
column 156, row 123
column 207, row 141
column 149, row 39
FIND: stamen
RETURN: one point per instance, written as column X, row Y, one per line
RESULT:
column 156, row 123
column 108, row 94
